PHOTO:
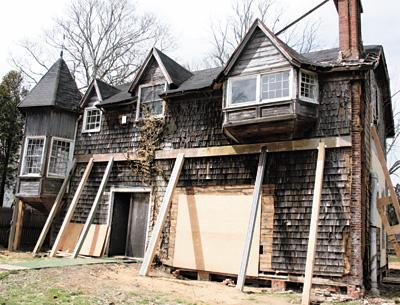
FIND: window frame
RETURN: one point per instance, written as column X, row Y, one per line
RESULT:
column 27, row 138
column 259, row 100
column 70, row 156
column 137, row 116
column 304, row 98
column 84, row 121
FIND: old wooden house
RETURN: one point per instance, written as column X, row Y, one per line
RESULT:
column 205, row 131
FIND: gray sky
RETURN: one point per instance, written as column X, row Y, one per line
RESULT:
column 190, row 22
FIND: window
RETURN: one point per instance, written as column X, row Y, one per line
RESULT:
column 266, row 87
column 33, row 156
column 60, row 155
column 243, row 90
column 150, row 102
column 275, row 85
column 308, row 86
column 91, row 119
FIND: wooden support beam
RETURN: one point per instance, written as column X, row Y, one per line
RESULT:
column 54, row 209
column 312, row 239
column 382, row 202
column 11, row 236
column 18, row 222
column 71, row 208
column 228, row 150
column 382, row 161
column 252, row 221
column 162, row 216
column 92, row 212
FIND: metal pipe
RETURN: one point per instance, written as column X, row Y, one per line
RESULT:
column 373, row 226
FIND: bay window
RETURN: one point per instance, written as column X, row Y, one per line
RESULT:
column 33, row 156
column 271, row 87
column 60, row 155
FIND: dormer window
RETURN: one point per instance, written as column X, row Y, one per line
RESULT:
column 260, row 88
column 149, row 102
column 91, row 119
column 308, row 86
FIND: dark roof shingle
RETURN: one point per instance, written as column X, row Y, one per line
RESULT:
column 56, row 88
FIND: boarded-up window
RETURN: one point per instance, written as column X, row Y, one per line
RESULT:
column 33, row 156
column 59, row 157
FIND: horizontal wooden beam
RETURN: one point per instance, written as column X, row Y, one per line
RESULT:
column 228, row 150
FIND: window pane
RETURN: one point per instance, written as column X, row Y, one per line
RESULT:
column 275, row 85
column 93, row 119
column 151, row 104
column 59, row 157
column 243, row 90
column 33, row 156
column 308, row 86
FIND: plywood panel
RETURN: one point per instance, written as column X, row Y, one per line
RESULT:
column 94, row 242
column 211, row 230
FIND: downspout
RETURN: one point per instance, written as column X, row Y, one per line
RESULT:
column 373, row 226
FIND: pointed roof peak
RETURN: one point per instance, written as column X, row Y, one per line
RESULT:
column 173, row 72
column 56, row 88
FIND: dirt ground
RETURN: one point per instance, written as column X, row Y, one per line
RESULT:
column 120, row 284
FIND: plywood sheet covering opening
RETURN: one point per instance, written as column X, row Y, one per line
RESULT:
column 94, row 241
column 211, row 227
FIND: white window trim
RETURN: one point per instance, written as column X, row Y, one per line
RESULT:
column 71, row 153
column 137, row 117
column 258, row 100
column 304, row 98
column 24, row 157
column 84, row 130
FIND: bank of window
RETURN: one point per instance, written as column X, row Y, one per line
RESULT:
column 60, row 155
column 33, row 156
column 259, row 87
column 150, row 103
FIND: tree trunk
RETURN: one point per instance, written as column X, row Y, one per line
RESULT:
column 4, row 173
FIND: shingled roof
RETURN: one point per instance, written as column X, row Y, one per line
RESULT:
column 56, row 88
column 122, row 96
column 174, row 73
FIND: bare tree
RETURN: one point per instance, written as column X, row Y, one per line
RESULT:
column 226, row 35
column 105, row 38
column 392, row 145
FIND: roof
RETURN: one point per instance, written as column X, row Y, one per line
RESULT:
column 56, row 88
column 105, row 90
column 199, row 80
column 123, row 95
column 174, row 73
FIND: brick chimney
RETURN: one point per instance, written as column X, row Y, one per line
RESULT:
column 350, row 40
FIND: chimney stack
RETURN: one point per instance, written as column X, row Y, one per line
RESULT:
column 350, row 40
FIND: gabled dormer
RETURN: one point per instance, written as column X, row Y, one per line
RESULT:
column 270, row 91
column 92, row 114
column 158, row 74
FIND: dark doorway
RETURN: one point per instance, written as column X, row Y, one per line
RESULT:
column 129, row 224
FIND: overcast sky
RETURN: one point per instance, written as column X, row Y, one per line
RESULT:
column 190, row 22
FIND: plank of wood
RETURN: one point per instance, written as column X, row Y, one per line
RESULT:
column 199, row 240
column 95, row 205
column 72, row 207
column 94, row 243
column 11, row 236
column 162, row 216
column 18, row 225
column 228, row 150
column 54, row 209
column 252, row 221
column 312, row 240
